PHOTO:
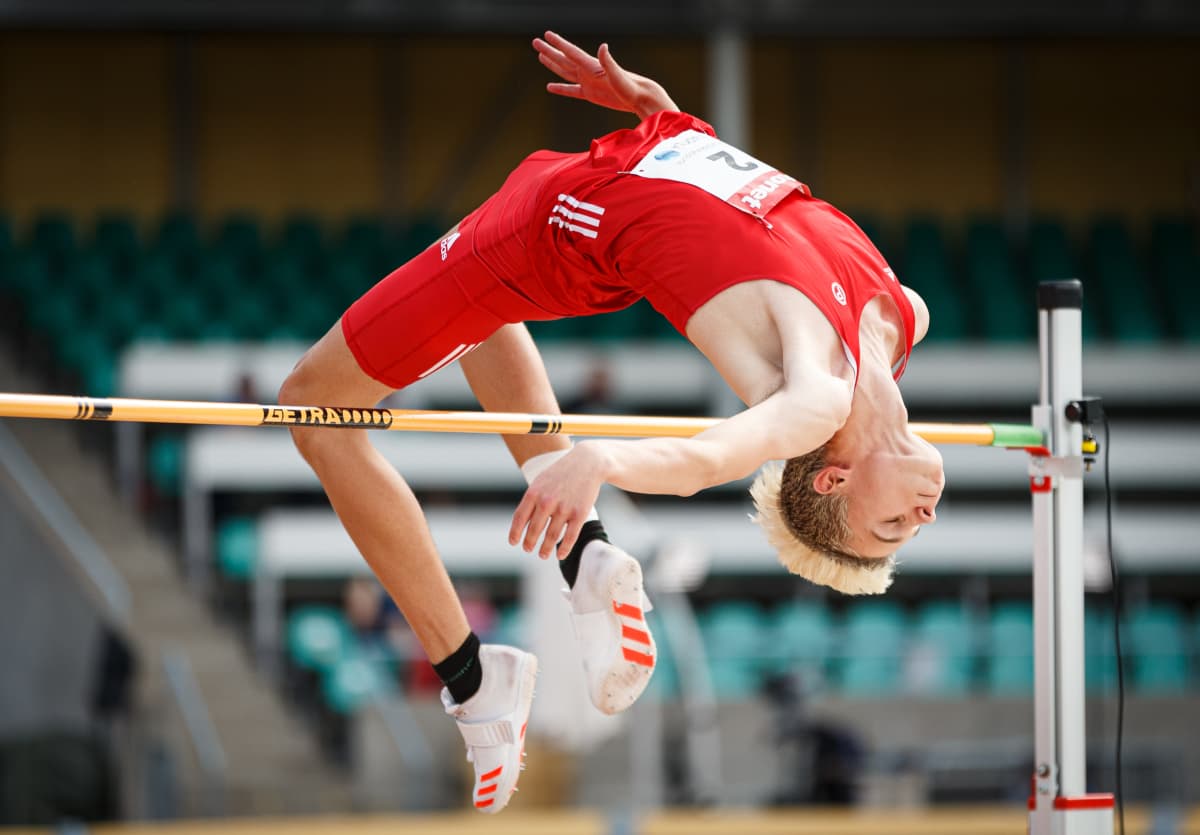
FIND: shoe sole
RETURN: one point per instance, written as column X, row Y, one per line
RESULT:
column 626, row 680
column 526, row 693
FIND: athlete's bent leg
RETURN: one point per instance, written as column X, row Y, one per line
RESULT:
column 376, row 506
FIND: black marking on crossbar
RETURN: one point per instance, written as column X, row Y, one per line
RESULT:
column 101, row 410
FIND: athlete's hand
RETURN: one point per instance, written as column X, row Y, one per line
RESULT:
column 600, row 79
column 557, row 503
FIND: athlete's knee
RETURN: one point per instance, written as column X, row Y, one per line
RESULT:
column 302, row 387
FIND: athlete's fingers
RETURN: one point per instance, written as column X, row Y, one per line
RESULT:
column 567, row 542
column 554, row 533
column 557, row 63
column 520, row 519
column 570, row 50
column 537, row 525
column 617, row 74
column 573, row 91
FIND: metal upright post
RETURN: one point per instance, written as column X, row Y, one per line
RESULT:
column 1059, row 804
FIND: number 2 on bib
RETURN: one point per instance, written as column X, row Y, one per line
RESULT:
column 730, row 175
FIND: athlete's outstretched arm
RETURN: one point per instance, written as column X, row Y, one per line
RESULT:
column 790, row 422
column 599, row 79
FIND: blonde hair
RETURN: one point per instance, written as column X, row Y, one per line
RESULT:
column 809, row 530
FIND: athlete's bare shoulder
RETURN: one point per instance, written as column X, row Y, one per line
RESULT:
column 761, row 335
column 921, row 312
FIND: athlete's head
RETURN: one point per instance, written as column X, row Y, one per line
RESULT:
column 836, row 516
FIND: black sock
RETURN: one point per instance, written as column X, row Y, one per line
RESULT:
column 569, row 565
column 460, row 671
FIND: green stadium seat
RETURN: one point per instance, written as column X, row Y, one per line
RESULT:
column 237, row 547
column 221, row 281
column 116, row 237
column 874, row 641
column 1158, row 648
column 156, row 279
column 164, row 463
column 872, row 228
column 927, row 270
column 6, row 235
column 555, row 330
column 302, row 237
column 348, row 277
column 240, row 236
column 1175, row 259
column 800, row 638
column 942, row 650
column 249, row 317
column 54, row 236
column 1100, row 662
column 1052, row 258
column 185, row 316
column 318, row 637
column 1130, row 298
column 26, row 275
column 362, row 237
column 55, row 315
column 735, row 637
column 1010, row 649
column 178, row 236
column 1003, row 302
column 354, row 680
column 90, row 276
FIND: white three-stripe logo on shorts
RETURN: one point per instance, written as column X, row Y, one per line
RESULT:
column 461, row 350
column 577, row 216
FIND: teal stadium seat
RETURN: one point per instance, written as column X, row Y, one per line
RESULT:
column 54, row 236
column 735, row 636
column 178, row 239
column 165, row 462
column 800, row 639
column 1002, row 300
column 874, row 641
column 318, row 637
column 1175, row 260
column 1052, row 258
column 240, row 236
column 1010, row 649
column 1158, row 649
column 1100, row 661
column 116, row 238
column 1129, row 297
column 927, row 270
column 237, row 547
column 942, row 650
column 353, row 680
column 302, row 237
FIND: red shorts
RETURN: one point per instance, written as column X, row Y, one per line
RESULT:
column 449, row 299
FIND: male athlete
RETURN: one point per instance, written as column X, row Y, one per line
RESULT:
column 785, row 296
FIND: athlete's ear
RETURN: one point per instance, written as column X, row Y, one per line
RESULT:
column 831, row 479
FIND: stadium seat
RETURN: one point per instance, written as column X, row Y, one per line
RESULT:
column 353, row 680
column 873, row 640
column 942, row 649
column 1175, row 261
column 1004, row 303
column 1130, row 299
column 927, row 270
column 54, row 236
column 240, row 236
column 800, row 639
column 735, row 636
column 116, row 238
column 1100, row 663
column 164, row 462
column 1010, row 649
column 1158, row 648
column 237, row 547
column 318, row 637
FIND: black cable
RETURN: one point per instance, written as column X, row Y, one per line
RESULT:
column 1116, row 597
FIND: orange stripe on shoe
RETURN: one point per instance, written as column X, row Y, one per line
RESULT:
column 483, row 804
column 486, row 790
column 495, row 772
column 523, row 727
column 638, row 657
column 639, row 635
column 627, row 610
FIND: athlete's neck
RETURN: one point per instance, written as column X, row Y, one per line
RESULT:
column 878, row 417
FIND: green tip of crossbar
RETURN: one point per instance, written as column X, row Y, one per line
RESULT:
column 1016, row 435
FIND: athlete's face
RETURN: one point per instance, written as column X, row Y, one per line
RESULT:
column 891, row 495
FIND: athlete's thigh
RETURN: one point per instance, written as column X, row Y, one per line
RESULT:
column 329, row 375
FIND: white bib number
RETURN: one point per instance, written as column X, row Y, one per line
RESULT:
column 722, row 170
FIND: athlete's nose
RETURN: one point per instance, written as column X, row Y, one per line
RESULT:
column 925, row 512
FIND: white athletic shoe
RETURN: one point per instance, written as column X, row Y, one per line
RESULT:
column 608, row 609
column 492, row 723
